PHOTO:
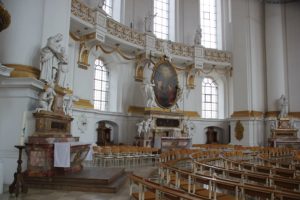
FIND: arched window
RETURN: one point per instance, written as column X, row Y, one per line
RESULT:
column 108, row 7
column 161, row 20
column 208, row 21
column 101, row 86
column 209, row 98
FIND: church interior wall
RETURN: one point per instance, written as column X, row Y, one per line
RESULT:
column 256, row 51
column 293, row 56
column 247, row 90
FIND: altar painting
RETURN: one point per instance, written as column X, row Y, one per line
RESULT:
column 166, row 84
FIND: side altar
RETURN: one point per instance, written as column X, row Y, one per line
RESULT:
column 283, row 133
column 51, row 149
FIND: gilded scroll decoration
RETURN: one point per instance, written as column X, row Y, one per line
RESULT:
column 239, row 130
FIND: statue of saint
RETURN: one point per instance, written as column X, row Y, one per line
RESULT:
column 52, row 56
column 198, row 36
column 101, row 3
column 46, row 98
column 149, row 22
column 283, row 103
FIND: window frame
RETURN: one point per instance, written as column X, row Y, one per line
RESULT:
column 107, row 91
column 205, row 96
column 210, row 30
column 108, row 8
column 159, row 32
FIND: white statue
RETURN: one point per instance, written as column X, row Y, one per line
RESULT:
column 68, row 104
column 283, row 102
column 149, row 22
column 144, row 127
column 140, row 129
column 62, row 69
column 52, row 55
column 46, row 98
column 149, row 94
column 166, row 51
column 273, row 125
column 188, row 127
column 198, row 36
column 147, row 125
column 179, row 97
column 101, row 3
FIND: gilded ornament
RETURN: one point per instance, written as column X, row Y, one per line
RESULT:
column 239, row 130
column 4, row 18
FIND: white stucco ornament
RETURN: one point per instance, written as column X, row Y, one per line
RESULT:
column 82, row 123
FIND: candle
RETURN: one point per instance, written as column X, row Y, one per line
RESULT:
column 22, row 138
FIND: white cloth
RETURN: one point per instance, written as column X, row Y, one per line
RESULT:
column 89, row 155
column 62, row 154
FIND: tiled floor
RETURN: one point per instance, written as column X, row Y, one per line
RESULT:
column 38, row 194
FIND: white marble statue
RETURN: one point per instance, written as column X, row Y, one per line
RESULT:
column 273, row 125
column 149, row 22
column 62, row 69
column 188, row 127
column 46, row 98
column 68, row 104
column 101, row 3
column 149, row 94
column 179, row 97
column 198, row 36
column 147, row 126
column 144, row 127
column 166, row 50
column 140, row 126
column 283, row 103
column 52, row 56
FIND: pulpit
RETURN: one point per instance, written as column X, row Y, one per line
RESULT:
column 104, row 134
column 211, row 135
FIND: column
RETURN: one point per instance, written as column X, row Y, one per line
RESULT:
column 248, row 72
column 21, row 41
column 32, row 23
column 275, row 55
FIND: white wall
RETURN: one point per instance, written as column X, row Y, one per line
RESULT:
column 292, row 12
column 17, row 95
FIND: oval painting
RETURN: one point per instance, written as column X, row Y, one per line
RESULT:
column 166, row 84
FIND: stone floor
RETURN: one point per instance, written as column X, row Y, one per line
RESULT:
column 38, row 194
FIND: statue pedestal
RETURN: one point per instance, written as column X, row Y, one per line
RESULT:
column 49, row 124
column 52, row 128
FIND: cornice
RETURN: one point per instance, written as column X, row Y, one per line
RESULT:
column 247, row 114
column 21, row 71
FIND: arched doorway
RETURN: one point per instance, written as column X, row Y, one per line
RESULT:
column 107, row 132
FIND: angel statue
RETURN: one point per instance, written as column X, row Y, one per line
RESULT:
column 149, row 94
column 52, row 57
column 140, row 128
